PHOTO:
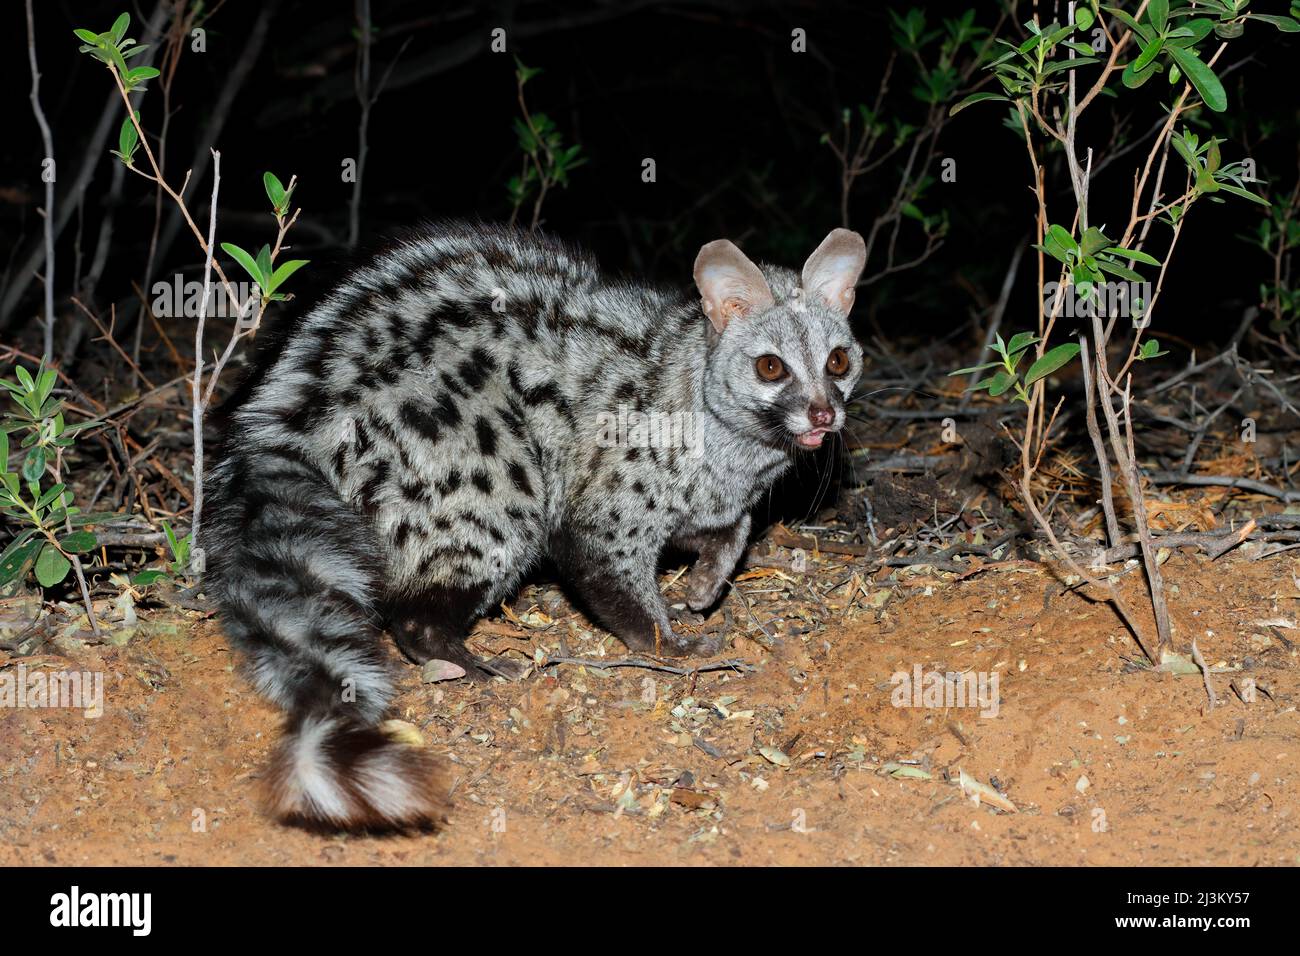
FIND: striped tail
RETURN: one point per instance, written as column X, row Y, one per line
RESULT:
column 334, row 773
column 294, row 572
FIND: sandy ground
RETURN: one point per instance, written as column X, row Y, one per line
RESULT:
column 806, row 759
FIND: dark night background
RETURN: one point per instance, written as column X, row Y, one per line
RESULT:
column 710, row 90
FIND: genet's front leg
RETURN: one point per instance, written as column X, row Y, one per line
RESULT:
column 616, row 580
column 719, row 550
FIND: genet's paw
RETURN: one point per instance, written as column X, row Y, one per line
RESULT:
column 706, row 585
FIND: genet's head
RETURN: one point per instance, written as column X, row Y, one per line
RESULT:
column 782, row 360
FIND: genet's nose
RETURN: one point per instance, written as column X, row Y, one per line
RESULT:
column 821, row 416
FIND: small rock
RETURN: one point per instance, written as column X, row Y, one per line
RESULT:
column 435, row 670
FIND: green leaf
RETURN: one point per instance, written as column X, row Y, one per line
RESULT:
column 1158, row 14
column 1093, row 241
column 1142, row 30
column 245, row 260
column 1051, row 361
column 51, row 566
column 1148, row 54
column 21, row 538
column 142, row 73
column 127, row 137
column 119, row 27
column 1058, row 243
column 115, row 58
column 1190, row 33
column 976, row 368
column 171, row 537
column 1213, row 158
column 264, row 263
column 50, row 495
column 1285, row 24
column 1000, row 383
column 1133, row 79
column 274, row 189
column 1114, row 268
column 34, row 464
column 976, row 98
column 99, row 517
column 145, row 578
column 1020, row 341
column 16, row 557
column 1201, row 77
column 45, row 383
column 1183, row 149
column 87, row 36
column 1060, row 65
column 78, row 542
column 4, row 451
column 1243, row 193
column 525, row 73
column 285, row 270
column 1136, row 255
column 1150, row 349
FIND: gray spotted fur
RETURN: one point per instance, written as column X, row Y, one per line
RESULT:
column 433, row 429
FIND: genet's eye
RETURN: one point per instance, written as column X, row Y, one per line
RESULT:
column 769, row 368
column 837, row 363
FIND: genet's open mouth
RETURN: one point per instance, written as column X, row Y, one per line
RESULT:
column 811, row 438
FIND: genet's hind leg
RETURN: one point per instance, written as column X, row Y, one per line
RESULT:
column 433, row 624
column 462, row 526
column 431, row 614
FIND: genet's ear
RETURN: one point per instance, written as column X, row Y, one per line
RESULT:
column 731, row 287
column 833, row 270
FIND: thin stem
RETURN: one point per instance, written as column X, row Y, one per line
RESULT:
column 199, row 404
column 47, row 175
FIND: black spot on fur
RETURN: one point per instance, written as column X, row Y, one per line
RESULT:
column 446, row 411
column 519, row 478
column 412, row 491
column 450, row 483
column 420, row 420
column 474, row 371
column 487, row 437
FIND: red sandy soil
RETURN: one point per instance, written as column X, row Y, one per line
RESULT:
column 1104, row 762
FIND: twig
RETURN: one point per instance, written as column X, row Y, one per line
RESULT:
column 1223, row 481
column 733, row 664
column 48, row 175
column 1098, row 445
column 199, row 402
column 788, row 539
column 1213, row 544
column 1205, row 673
column 107, row 332
column 78, row 570
column 1112, row 593
column 361, row 80
column 740, row 593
